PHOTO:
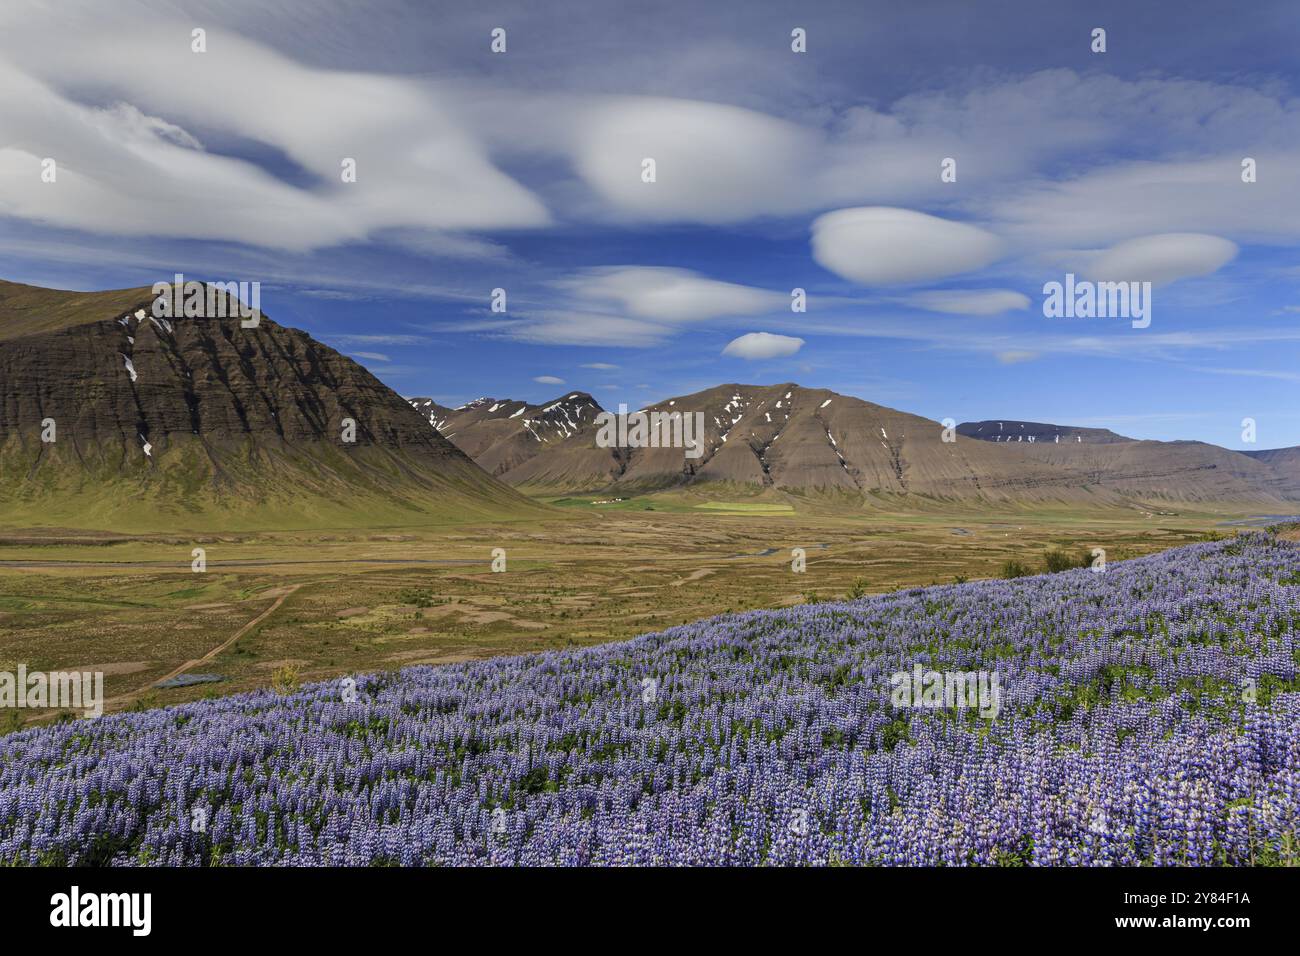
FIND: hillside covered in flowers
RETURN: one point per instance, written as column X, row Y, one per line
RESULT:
column 1149, row 714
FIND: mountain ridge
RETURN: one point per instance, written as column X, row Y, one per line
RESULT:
column 842, row 445
column 113, row 417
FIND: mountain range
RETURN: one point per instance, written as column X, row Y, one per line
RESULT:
column 813, row 443
column 112, row 417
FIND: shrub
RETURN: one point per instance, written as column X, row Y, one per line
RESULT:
column 285, row 679
column 1056, row 560
column 1014, row 569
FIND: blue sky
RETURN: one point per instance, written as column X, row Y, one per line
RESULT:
column 775, row 170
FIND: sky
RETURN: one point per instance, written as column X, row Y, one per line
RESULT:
column 821, row 170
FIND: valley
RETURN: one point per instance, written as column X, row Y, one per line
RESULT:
column 217, row 508
column 347, row 601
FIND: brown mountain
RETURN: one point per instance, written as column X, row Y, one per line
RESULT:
column 800, row 440
column 1286, row 460
column 787, row 440
column 1172, row 471
column 547, row 447
column 200, row 422
column 1034, row 432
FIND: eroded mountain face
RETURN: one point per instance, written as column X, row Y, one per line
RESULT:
column 547, row 446
column 800, row 440
column 1151, row 470
column 191, row 415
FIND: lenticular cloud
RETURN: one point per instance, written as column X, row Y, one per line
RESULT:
column 1162, row 259
column 879, row 245
column 763, row 345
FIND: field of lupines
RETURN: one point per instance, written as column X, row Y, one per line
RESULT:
column 1149, row 715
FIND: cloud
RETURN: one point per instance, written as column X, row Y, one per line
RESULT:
column 1117, row 201
column 562, row 327
column 670, row 295
column 373, row 356
column 1016, row 356
column 719, row 163
column 333, row 295
column 139, row 167
column 713, row 163
column 443, row 245
column 969, row 301
column 1248, row 372
column 548, row 380
column 636, row 307
column 231, row 146
column 602, row 366
column 381, row 339
column 879, row 245
column 763, row 345
column 1162, row 259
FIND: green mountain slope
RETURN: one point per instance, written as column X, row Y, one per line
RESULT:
column 201, row 424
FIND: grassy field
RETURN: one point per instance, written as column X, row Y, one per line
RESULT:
column 274, row 608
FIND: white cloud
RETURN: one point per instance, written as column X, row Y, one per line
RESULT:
column 970, row 301
column 670, row 295
column 636, row 307
column 373, row 356
column 381, row 339
column 140, row 156
column 1114, row 202
column 880, row 245
column 548, row 380
column 563, row 327
column 139, row 167
column 601, row 366
column 1249, row 373
column 763, row 345
column 1162, row 259
column 713, row 162
column 442, row 245
column 431, row 151
column 126, row 121
column 333, row 295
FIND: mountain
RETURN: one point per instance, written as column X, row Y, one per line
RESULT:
column 1034, row 432
column 547, row 447
column 1281, row 458
column 783, row 438
column 799, row 440
column 200, row 422
column 793, row 442
column 1171, row 471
